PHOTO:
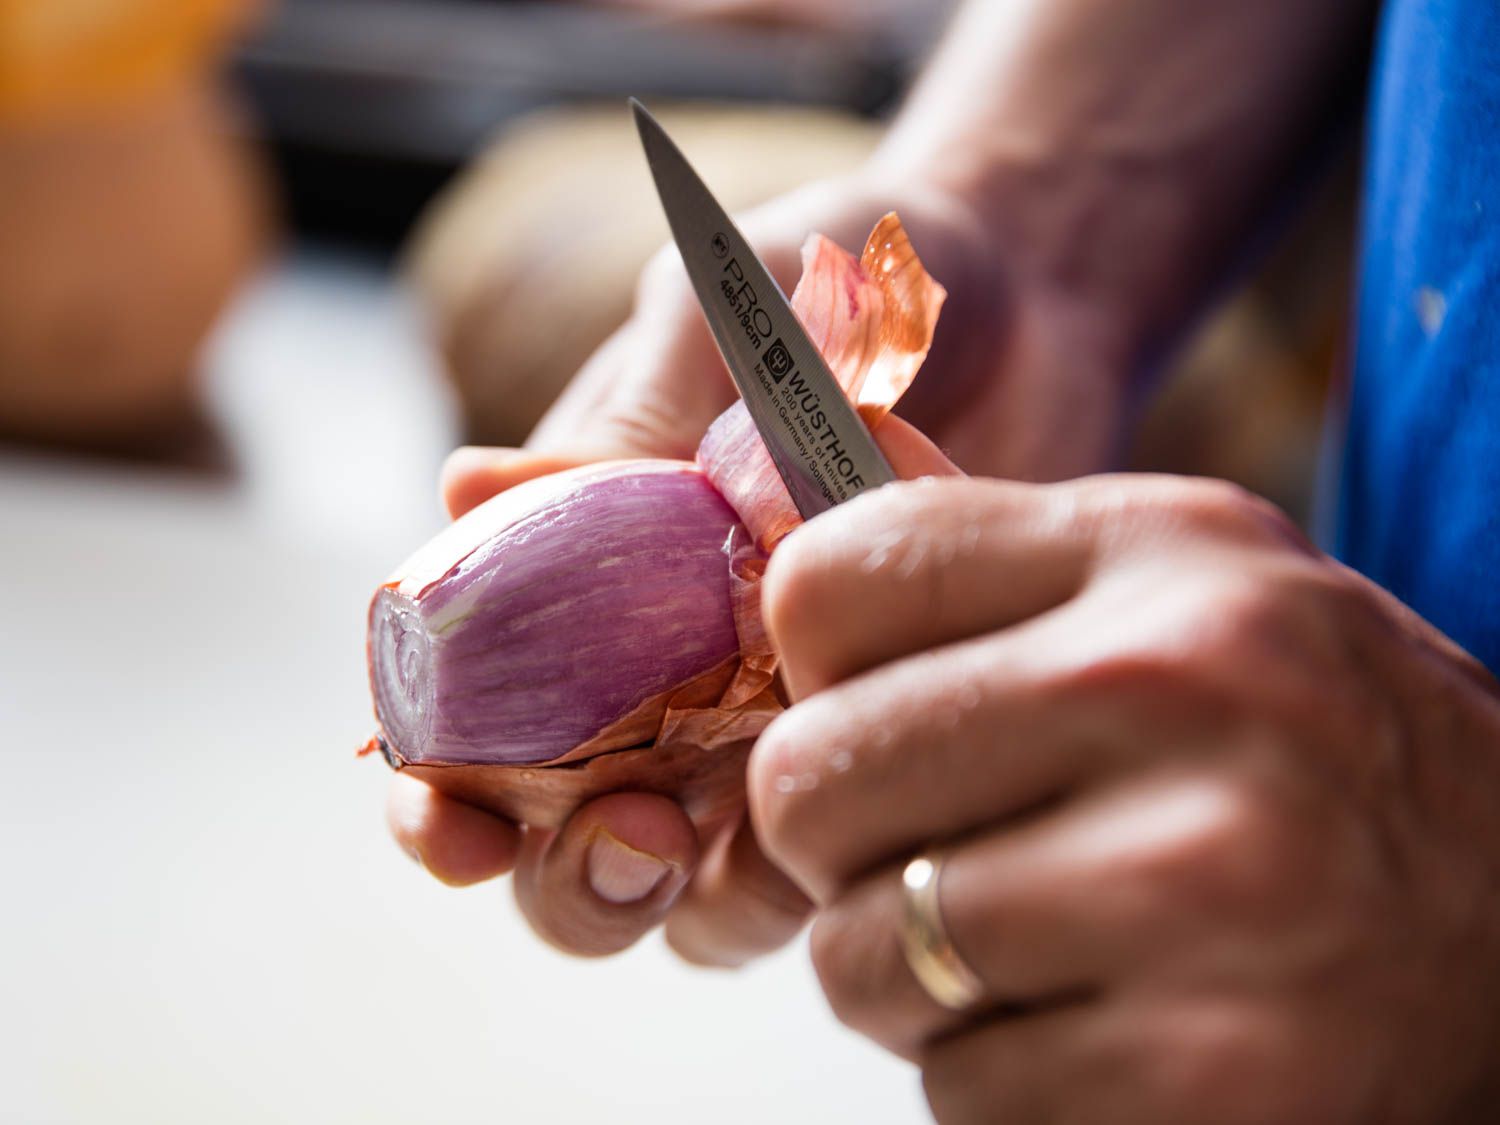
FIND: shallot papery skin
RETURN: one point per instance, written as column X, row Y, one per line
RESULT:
column 604, row 622
column 566, row 618
column 873, row 320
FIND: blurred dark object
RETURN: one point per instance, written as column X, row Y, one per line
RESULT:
column 523, row 266
column 1246, row 400
column 370, row 105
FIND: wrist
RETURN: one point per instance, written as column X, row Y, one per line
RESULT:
column 1064, row 234
column 1120, row 155
column 1028, row 378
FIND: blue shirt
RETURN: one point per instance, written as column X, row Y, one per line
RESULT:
column 1420, row 487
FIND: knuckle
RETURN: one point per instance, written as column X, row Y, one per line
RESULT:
column 895, row 543
column 1197, row 508
column 1142, row 669
column 1222, row 508
column 692, row 951
column 1250, row 616
column 1239, row 1064
column 834, row 946
column 859, row 964
column 778, row 751
column 1212, row 1070
column 1279, row 647
column 582, row 929
column 1336, row 607
column 1216, row 628
column 956, row 1096
column 1232, row 852
column 785, row 813
column 1191, row 640
column 941, row 1097
column 409, row 808
column 1157, row 673
column 1305, row 637
column 794, row 588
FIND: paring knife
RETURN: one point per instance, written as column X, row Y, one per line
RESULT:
column 821, row 447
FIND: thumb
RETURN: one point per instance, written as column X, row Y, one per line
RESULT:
column 651, row 390
column 912, row 453
column 473, row 473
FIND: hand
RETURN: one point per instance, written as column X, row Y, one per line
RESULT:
column 1023, row 381
column 622, row 862
column 1222, row 818
column 652, row 390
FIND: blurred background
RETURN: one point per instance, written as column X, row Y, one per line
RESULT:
column 261, row 265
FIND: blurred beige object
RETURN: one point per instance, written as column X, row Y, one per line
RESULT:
column 530, row 260
column 124, row 233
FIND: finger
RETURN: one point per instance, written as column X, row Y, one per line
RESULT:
column 738, row 906
column 913, row 566
column 923, row 749
column 457, row 843
column 654, row 387
column 1076, row 902
column 912, row 454
column 956, row 741
column 1064, row 1064
column 1159, row 1058
column 472, row 474
column 610, row 875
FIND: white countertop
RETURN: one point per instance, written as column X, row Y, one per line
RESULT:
column 204, row 920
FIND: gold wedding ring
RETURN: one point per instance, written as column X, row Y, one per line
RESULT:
column 939, row 969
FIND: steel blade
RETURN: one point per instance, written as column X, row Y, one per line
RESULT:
column 819, row 444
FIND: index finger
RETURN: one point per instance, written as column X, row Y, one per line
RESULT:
column 914, row 566
column 472, row 473
column 459, row 844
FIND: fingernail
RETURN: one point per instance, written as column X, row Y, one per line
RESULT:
column 621, row 874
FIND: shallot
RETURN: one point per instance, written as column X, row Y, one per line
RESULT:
column 599, row 629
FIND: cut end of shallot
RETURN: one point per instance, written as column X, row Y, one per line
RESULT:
column 401, row 672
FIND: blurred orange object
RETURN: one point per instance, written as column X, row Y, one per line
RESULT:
column 129, row 212
column 64, row 57
column 123, row 239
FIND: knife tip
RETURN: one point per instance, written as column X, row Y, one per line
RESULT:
column 643, row 119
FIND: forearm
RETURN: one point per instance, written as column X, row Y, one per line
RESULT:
column 1121, row 154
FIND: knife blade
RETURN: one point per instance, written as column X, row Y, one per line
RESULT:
column 819, row 444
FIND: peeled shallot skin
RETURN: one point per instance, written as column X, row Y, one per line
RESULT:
column 580, row 600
